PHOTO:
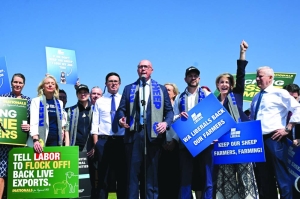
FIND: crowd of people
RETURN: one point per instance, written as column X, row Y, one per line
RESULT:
column 131, row 146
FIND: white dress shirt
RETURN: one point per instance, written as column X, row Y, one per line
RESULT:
column 141, row 96
column 101, row 123
column 273, row 109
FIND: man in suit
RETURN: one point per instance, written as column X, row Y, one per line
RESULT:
column 271, row 105
column 145, row 95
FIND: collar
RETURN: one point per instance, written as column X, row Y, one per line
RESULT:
column 147, row 82
column 12, row 94
column 107, row 94
column 80, row 106
column 269, row 88
column 189, row 94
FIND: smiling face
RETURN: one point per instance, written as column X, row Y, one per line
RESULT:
column 49, row 86
column 83, row 95
column 224, row 85
column 17, row 85
column 192, row 79
column 145, row 69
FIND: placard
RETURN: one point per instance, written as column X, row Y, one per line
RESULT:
column 13, row 112
column 61, row 63
column 4, row 81
column 207, row 121
column 51, row 174
column 294, row 164
column 241, row 144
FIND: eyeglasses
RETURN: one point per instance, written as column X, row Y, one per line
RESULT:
column 144, row 66
column 113, row 81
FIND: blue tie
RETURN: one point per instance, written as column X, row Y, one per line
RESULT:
column 258, row 103
column 112, row 113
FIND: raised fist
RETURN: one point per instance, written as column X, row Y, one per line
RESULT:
column 244, row 46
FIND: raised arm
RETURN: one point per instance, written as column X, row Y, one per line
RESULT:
column 241, row 65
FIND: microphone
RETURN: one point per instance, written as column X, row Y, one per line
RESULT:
column 143, row 79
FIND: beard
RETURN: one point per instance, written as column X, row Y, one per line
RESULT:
column 190, row 84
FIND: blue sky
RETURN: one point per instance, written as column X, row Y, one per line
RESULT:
column 114, row 35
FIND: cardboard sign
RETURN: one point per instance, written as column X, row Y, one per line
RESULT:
column 294, row 164
column 13, row 112
column 51, row 174
column 4, row 81
column 207, row 121
column 241, row 144
column 61, row 63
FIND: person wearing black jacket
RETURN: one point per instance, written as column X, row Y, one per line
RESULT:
column 235, row 180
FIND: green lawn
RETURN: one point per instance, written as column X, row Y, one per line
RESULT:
column 112, row 196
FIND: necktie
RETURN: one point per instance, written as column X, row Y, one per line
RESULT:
column 258, row 103
column 112, row 113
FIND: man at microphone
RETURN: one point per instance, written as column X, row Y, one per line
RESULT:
column 144, row 93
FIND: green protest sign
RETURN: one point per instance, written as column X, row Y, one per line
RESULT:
column 51, row 174
column 12, row 113
column 251, row 89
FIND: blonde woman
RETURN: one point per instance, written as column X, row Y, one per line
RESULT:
column 235, row 181
column 169, row 159
column 47, row 117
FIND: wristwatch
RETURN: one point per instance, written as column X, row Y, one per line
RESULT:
column 287, row 130
column 35, row 140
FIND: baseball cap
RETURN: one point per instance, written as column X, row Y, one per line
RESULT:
column 192, row 69
column 82, row 86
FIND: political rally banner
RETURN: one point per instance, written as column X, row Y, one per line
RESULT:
column 13, row 112
column 251, row 89
column 84, row 176
column 294, row 164
column 207, row 121
column 241, row 144
column 61, row 63
column 50, row 174
column 4, row 81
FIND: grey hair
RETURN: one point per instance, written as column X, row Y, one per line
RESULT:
column 267, row 70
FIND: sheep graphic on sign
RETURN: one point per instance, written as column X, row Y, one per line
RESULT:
column 71, row 182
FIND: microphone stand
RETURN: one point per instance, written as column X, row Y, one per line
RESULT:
column 143, row 101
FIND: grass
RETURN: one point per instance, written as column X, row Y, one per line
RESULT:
column 112, row 196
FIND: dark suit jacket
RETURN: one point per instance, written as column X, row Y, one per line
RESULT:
column 124, row 110
column 238, row 90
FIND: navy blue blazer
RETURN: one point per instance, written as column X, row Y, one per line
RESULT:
column 238, row 90
column 124, row 111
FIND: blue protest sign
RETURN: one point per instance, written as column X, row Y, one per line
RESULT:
column 294, row 164
column 241, row 144
column 4, row 81
column 207, row 121
column 61, row 63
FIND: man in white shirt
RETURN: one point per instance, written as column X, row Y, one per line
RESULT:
column 271, row 105
column 95, row 94
column 109, row 141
